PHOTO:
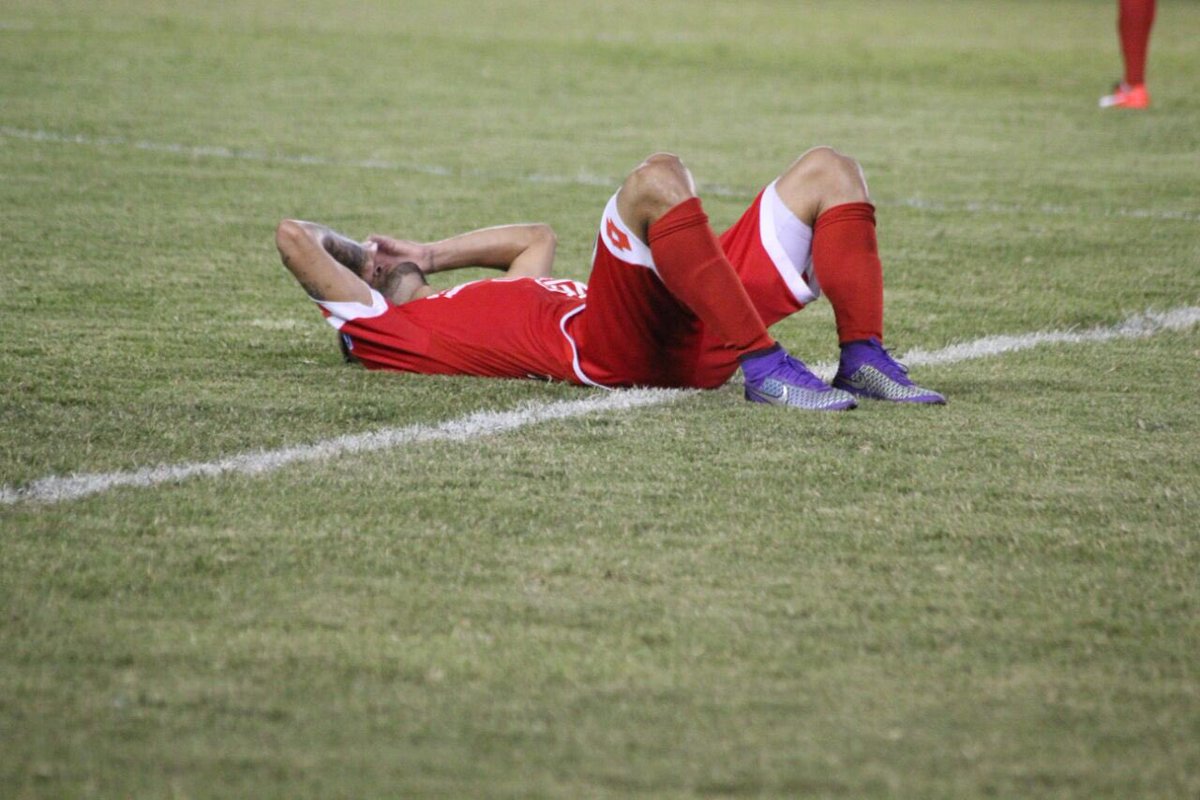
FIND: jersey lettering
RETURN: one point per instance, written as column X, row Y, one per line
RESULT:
column 564, row 286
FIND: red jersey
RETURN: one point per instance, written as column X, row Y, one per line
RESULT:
column 472, row 329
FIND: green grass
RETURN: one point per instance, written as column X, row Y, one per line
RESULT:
column 701, row 598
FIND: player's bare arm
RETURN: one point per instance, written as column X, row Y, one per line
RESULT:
column 523, row 250
column 330, row 266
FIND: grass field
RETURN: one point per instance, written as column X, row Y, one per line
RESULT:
column 689, row 598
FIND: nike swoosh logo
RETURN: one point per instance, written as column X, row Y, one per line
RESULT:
column 777, row 397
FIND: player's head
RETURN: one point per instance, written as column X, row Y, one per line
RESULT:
column 401, row 282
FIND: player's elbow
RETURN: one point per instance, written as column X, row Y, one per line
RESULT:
column 292, row 238
column 539, row 260
column 289, row 234
column 535, row 243
column 543, row 236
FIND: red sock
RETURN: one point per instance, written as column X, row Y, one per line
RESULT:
column 693, row 267
column 1133, row 23
column 848, row 269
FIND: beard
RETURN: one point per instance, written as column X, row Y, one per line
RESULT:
column 398, row 283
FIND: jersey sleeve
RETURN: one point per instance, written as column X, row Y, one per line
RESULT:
column 338, row 313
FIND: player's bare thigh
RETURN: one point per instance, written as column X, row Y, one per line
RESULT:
column 820, row 179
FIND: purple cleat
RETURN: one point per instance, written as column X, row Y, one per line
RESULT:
column 776, row 378
column 867, row 369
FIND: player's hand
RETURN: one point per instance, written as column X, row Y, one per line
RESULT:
column 391, row 252
column 371, row 266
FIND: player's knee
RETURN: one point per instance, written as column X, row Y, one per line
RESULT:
column 660, row 179
column 663, row 161
column 835, row 172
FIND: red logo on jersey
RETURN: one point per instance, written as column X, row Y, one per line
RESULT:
column 617, row 236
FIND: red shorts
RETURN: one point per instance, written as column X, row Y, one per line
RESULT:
column 634, row 332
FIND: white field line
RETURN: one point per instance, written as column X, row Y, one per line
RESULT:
column 55, row 489
column 1135, row 327
column 578, row 179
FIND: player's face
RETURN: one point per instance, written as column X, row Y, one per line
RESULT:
column 400, row 283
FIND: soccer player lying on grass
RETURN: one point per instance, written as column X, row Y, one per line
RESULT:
column 668, row 303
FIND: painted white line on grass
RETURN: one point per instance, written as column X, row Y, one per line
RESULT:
column 1048, row 209
column 578, row 179
column 55, row 489
column 208, row 151
column 1134, row 327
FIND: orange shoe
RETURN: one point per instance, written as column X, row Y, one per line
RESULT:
column 1126, row 96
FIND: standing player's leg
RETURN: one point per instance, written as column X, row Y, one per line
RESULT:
column 827, row 191
column 658, row 203
column 1135, row 18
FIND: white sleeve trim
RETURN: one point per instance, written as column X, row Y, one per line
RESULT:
column 343, row 311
